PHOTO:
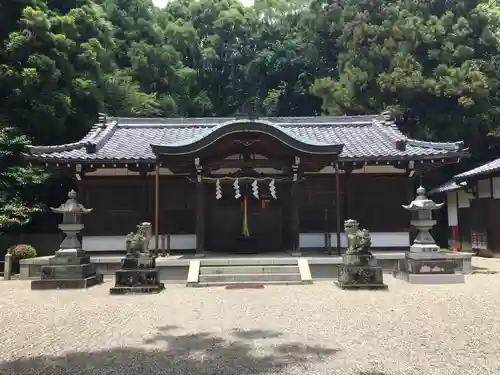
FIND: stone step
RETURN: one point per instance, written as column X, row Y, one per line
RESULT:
column 259, row 277
column 217, row 270
column 226, row 283
column 248, row 262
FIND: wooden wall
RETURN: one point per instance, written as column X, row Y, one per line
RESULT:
column 484, row 217
column 121, row 202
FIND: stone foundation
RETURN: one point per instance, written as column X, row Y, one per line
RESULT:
column 360, row 271
column 428, row 268
column 137, row 275
column 68, row 272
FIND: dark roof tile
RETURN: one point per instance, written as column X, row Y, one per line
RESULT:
column 488, row 168
column 130, row 139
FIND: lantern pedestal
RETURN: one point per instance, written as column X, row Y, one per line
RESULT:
column 424, row 263
column 68, row 272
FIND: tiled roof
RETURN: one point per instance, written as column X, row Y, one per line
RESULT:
column 130, row 139
column 447, row 187
column 488, row 168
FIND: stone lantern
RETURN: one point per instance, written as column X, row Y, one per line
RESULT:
column 424, row 263
column 71, row 225
column 70, row 268
column 423, row 206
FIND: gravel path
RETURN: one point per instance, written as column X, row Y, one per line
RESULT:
column 311, row 329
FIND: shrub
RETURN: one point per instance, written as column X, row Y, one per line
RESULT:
column 22, row 252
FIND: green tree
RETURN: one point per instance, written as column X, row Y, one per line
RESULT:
column 18, row 181
column 434, row 66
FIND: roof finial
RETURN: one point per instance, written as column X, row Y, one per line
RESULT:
column 387, row 115
column 103, row 118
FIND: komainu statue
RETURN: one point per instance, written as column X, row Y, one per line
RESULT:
column 358, row 241
column 138, row 272
column 138, row 243
column 359, row 268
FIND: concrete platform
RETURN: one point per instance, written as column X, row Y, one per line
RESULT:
column 175, row 268
column 430, row 279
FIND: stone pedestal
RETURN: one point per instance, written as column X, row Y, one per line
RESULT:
column 424, row 263
column 68, row 270
column 428, row 268
column 360, row 271
column 138, row 274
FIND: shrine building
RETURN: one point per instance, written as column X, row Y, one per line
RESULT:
column 286, row 183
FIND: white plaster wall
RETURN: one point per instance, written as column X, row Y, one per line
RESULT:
column 379, row 239
column 452, row 206
column 113, row 243
column 188, row 241
column 496, row 187
column 484, row 188
column 464, row 199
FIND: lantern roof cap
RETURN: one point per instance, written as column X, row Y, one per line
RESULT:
column 71, row 206
column 421, row 202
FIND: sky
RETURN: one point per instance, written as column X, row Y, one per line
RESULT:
column 162, row 3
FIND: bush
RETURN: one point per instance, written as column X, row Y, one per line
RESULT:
column 22, row 252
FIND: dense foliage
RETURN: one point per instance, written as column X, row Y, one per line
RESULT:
column 434, row 64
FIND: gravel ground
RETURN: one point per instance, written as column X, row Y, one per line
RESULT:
column 294, row 330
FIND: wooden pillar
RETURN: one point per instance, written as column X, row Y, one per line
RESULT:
column 458, row 220
column 411, row 196
column 294, row 203
column 146, row 212
column 200, row 210
column 157, row 201
column 327, row 239
column 337, row 204
column 347, row 180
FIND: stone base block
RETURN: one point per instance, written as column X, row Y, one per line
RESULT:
column 137, row 289
column 137, row 281
column 67, row 283
column 442, row 278
column 135, row 262
column 437, row 255
column 430, row 266
column 69, row 260
column 361, row 286
column 81, row 271
column 360, row 277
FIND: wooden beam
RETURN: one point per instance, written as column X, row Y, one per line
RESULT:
column 258, row 163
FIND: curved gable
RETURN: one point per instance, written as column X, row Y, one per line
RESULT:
column 245, row 126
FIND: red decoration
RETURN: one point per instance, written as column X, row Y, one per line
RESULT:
column 263, row 204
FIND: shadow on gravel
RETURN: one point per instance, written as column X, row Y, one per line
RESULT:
column 483, row 271
column 196, row 354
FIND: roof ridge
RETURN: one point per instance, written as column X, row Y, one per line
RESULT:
column 94, row 131
column 451, row 146
column 95, row 143
column 390, row 131
column 400, row 139
column 209, row 122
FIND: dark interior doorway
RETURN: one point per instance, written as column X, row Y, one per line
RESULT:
column 224, row 221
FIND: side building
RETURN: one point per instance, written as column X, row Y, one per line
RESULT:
column 473, row 205
column 302, row 177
